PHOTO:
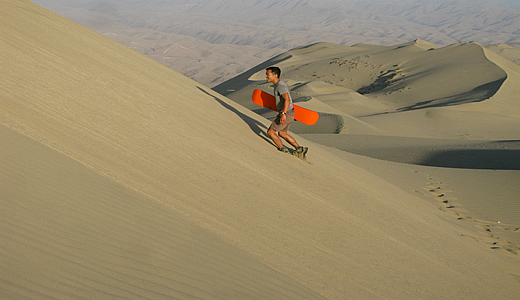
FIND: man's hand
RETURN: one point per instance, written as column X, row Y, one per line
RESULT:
column 283, row 119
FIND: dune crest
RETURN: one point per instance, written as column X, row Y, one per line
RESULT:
column 425, row 45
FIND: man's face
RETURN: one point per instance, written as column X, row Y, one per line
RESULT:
column 270, row 76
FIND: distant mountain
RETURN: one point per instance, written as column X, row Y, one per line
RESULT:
column 214, row 40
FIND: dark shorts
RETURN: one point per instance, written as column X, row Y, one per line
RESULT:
column 276, row 126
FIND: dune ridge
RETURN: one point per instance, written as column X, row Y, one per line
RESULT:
column 442, row 90
column 127, row 179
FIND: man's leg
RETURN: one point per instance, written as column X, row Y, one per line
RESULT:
column 272, row 133
column 284, row 135
column 301, row 152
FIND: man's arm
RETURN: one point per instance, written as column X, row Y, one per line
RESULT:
column 286, row 106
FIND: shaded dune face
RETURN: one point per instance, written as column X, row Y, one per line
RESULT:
column 478, row 94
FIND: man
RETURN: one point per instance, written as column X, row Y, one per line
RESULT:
column 285, row 116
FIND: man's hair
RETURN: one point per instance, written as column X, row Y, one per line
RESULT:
column 275, row 70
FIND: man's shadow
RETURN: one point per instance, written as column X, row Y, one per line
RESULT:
column 255, row 126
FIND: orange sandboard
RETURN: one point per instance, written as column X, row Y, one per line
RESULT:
column 303, row 115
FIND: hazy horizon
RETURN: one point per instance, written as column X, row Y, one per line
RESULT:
column 211, row 41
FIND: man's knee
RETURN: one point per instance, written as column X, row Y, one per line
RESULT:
column 283, row 134
column 271, row 132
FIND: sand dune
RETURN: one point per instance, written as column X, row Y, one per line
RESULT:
column 124, row 179
column 444, row 91
column 453, row 108
column 507, row 51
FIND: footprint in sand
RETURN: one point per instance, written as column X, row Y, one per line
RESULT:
column 436, row 190
column 488, row 231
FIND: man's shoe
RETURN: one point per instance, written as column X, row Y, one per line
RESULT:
column 284, row 149
column 302, row 150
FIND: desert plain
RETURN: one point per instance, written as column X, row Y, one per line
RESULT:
column 122, row 178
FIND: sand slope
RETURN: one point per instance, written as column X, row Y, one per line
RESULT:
column 70, row 233
column 125, row 179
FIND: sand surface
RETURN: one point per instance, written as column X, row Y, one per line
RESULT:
column 121, row 178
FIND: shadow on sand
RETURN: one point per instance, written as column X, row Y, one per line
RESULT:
column 503, row 159
column 478, row 94
column 257, row 127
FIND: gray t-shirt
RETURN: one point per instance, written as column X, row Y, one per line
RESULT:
column 279, row 89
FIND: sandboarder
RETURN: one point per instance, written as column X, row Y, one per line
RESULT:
column 285, row 114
